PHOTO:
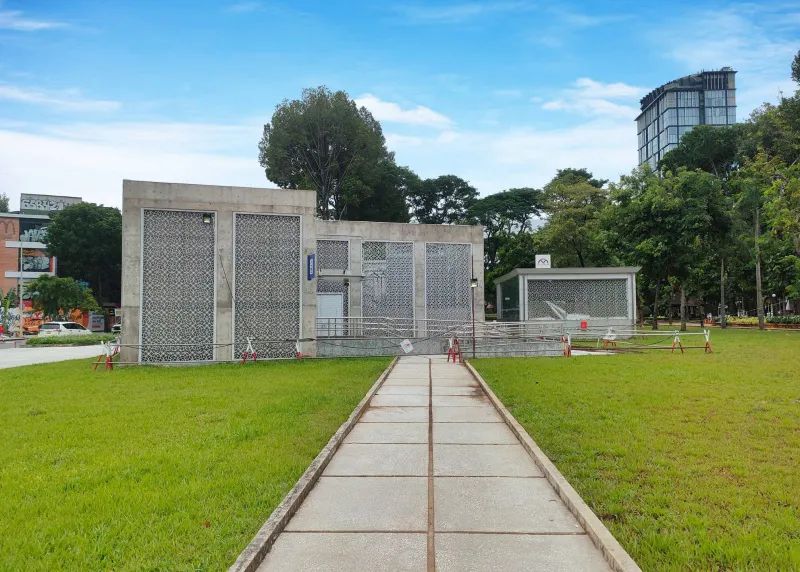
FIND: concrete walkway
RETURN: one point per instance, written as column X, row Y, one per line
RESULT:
column 15, row 357
column 430, row 479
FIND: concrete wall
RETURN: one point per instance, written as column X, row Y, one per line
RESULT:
column 224, row 202
column 419, row 234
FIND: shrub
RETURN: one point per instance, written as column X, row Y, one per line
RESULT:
column 84, row 340
column 742, row 321
column 784, row 320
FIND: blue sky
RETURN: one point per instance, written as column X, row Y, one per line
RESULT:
column 501, row 93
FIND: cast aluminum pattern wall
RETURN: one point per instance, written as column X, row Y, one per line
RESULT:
column 388, row 283
column 448, row 270
column 333, row 255
column 585, row 298
column 177, row 286
column 267, row 284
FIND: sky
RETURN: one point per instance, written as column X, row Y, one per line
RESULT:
column 500, row 93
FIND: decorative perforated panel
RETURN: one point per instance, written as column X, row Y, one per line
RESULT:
column 267, row 284
column 448, row 270
column 333, row 255
column 388, row 283
column 577, row 299
column 177, row 286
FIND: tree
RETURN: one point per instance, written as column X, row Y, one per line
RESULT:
column 323, row 140
column 3, row 203
column 443, row 200
column 503, row 214
column 387, row 203
column 714, row 149
column 87, row 240
column 573, row 202
column 6, row 303
column 58, row 297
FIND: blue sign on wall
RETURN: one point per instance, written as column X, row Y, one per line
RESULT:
column 312, row 266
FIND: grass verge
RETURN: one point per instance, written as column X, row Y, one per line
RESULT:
column 81, row 340
column 692, row 461
column 152, row 468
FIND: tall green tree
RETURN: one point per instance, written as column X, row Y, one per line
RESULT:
column 387, row 203
column 714, row 149
column 503, row 214
column 443, row 200
column 326, row 141
column 3, row 203
column 573, row 202
column 58, row 297
column 87, row 240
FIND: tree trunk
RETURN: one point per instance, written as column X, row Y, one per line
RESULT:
column 723, row 320
column 655, row 305
column 683, row 307
column 759, row 297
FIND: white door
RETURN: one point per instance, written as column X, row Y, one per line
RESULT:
column 330, row 314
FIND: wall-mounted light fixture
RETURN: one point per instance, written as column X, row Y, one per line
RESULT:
column 208, row 218
column 473, row 283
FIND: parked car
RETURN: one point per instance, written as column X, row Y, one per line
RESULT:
column 116, row 329
column 61, row 329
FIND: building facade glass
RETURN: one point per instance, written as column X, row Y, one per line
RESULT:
column 705, row 98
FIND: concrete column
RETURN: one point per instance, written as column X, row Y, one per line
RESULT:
column 419, row 285
column 308, row 318
column 224, row 297
column 131, row 279
column 357, row 269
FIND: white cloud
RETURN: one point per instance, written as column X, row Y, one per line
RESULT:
column 14, row 20
column 91, row 160
column 245, row 7
column 757, row 40
column 456, row 13
column 65, row 100
column 393, row 113
column 498, row 159
column 590, row 97
column 508, row 93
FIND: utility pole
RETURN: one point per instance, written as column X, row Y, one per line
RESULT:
column 21, row 304
column 723, row 322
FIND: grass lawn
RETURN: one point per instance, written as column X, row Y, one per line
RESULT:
column 692, row 461
column 153, row 468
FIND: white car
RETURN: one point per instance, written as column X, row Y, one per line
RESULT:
column 61, row 329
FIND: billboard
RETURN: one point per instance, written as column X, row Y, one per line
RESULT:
column 45, row 204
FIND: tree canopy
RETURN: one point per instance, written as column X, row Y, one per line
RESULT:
column 58, row 297
column 87, row 240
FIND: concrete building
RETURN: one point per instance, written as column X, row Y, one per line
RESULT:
column 568, row 296
column 669, row 111
column 207, row 267
column 23, row 238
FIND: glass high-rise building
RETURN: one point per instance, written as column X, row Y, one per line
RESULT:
column 669, row 111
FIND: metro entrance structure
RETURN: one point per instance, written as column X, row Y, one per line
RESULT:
column 205, row 268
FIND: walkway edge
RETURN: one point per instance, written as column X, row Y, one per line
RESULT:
column 614, row 554
column 255, row 552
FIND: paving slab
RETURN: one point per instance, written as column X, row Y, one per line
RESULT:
column 500, row 504
column 347, row 552
column 15, row 357
column 403, row 390
column 492, row 509
column 457, row 390
column 395, row 381
column 473, row 434
column 466, row 415
column 395, row 415
column 516, row 552
column 373, row 459
column 483, row 461
column 388, row 433
column 399, row 400
column 461, row 401
column 378, row 504
column 442, row 382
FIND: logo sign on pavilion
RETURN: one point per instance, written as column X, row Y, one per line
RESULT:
column 543, row 261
